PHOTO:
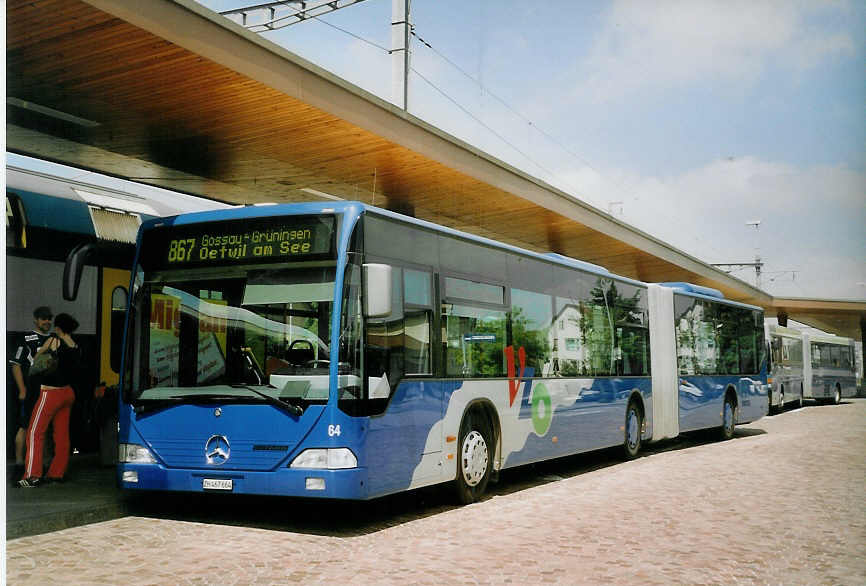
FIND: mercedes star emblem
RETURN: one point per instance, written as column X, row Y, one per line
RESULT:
column 217, row 450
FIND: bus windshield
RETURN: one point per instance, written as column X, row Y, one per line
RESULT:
column 235, row 310
column 232, row 333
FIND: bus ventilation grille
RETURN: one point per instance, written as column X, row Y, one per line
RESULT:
column 116, row 226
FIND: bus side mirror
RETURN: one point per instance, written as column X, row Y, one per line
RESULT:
column 377, row 287
column 73, row 268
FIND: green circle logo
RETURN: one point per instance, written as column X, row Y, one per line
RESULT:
column 542, row 409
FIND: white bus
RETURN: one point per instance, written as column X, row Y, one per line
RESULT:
column 828, row 368
column 785, row 370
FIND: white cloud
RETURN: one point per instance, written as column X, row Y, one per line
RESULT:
column 668, row 43
column 813, row 220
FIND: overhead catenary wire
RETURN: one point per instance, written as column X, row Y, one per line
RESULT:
column 625, row 190
column 479, row 121
column 517, row 113
column 351, row 34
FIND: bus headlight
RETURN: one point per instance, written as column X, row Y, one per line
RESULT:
column 325, row 458
column 134, row 454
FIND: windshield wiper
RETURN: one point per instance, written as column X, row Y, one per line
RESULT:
column 152, row 405
column 149, row 406
column 278, row 403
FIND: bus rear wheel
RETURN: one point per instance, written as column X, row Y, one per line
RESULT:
column 632, row 436
column 729, row 418
column 475, row 458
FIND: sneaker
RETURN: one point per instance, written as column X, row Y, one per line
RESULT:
column 29, row 482
column 54, row 480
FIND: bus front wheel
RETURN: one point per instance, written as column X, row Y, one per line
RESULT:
column 475, row 458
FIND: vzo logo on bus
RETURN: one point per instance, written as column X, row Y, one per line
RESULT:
column 533, row 404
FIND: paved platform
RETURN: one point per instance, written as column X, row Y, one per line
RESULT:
column 781, row 503
column 89, row 495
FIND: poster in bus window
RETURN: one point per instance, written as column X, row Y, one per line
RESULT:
column 165, row 341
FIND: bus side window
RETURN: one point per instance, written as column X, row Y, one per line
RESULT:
column 385, row 343
column 399, row 344
column 777, row 350
column 474, row 323
column 632, row 331
column 846, row 357
column 797, row 352
column 531, row 316
column 119, row 298
column 567, row 350
column 747, row 342
column 418, row 311
column 684, row 309
column 836, row 356
column 824, row 350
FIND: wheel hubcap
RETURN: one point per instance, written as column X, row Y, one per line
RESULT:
column 473, row 458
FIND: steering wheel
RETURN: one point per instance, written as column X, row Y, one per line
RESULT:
column 307, row 342
column 316, row 363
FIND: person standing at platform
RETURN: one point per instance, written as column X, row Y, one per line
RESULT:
column 27, row 387
column 54, row 405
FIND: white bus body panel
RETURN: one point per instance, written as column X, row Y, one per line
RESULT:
column 663, row 363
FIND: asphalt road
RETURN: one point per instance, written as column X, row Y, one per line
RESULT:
column 781, row 503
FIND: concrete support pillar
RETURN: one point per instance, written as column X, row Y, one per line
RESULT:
column 400, row 53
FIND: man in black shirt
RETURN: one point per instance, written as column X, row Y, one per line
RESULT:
column 23, row 352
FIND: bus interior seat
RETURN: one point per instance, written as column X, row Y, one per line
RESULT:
column 300, row 355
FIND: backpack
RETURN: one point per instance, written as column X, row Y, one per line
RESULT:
column 44, row 364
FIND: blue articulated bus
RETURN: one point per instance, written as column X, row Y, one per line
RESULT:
column 342, row 351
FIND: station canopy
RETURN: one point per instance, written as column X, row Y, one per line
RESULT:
column 168, row 93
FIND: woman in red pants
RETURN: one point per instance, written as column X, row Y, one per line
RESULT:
column 53, row 405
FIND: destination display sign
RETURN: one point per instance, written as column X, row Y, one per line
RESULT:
column 240, row 242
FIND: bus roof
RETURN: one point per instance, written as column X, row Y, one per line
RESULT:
column 707, row 293
column 783, row 331
column 829, row 339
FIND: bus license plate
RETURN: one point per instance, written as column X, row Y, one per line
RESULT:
column 216, row 483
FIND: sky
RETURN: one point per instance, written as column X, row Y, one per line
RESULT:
column 690, row 120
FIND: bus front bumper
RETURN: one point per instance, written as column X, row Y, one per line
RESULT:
column 302, row 482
